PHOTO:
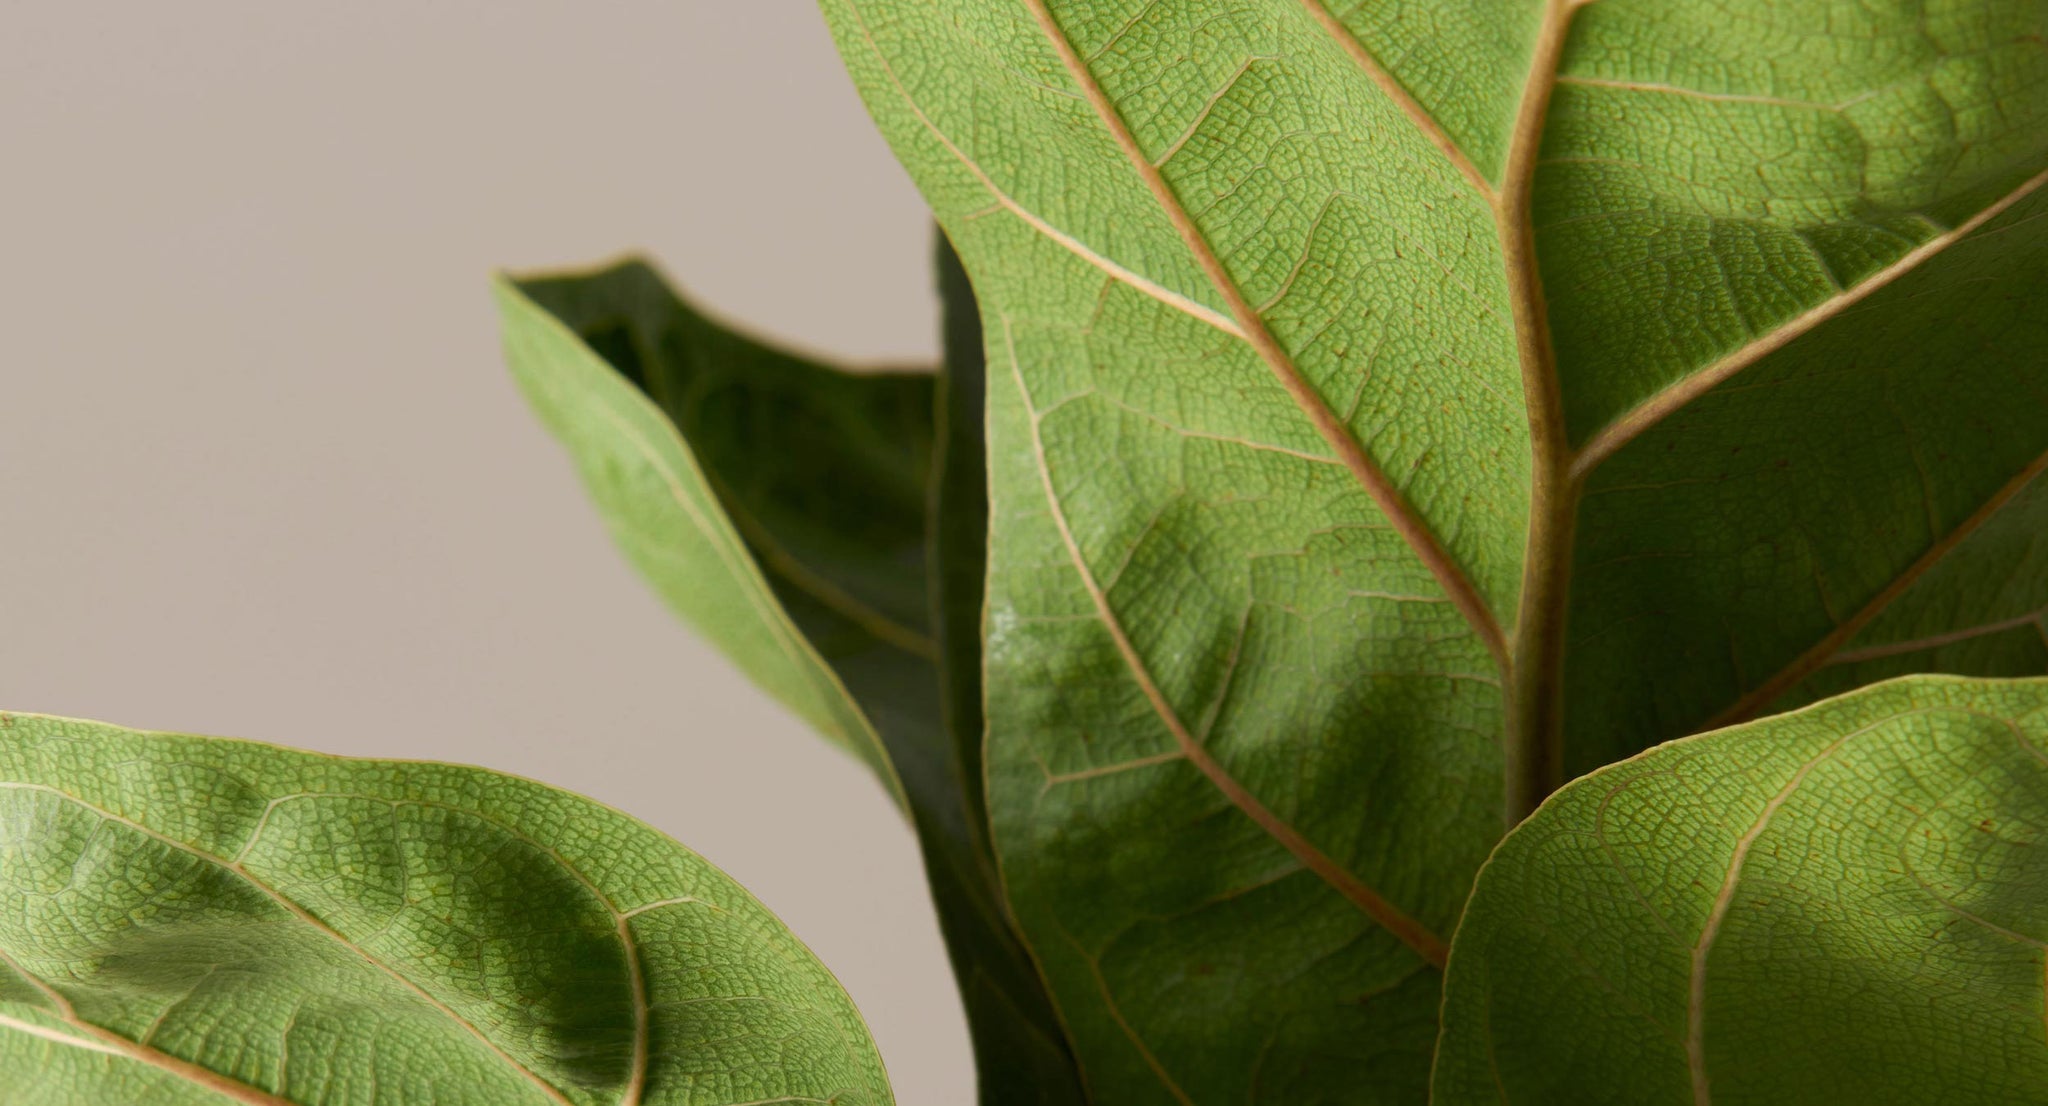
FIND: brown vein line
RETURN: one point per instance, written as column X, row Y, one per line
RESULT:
column 1253, row 329
column 1935, row 641
column 192, row 1073
column 1130, row 1032
column 1409, row 105
column 781, row 562
column 1724, row 899
column 636, row 979
column 1054, row 779
column 1534, row 742
column 107, row 1041
column 1200, row 311
column 303, row 915
column 1803, row 665
column 1654, row 410
column 1406, row 929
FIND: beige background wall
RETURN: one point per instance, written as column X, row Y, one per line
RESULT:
column 261, row 473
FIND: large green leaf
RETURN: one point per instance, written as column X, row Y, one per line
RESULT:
column 194, row 920
column 847, row 510
column 1393, row 404
column 1846, row 904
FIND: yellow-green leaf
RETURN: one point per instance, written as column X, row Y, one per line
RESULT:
column 1844, row 904
column 192, row 920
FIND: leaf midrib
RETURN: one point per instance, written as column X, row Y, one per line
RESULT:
column 1535, row 730
column 1535, row 655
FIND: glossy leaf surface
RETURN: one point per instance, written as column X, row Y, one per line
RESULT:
column 1844, row 904
column 1397, row 408
column 847, row 510
column 190, row 920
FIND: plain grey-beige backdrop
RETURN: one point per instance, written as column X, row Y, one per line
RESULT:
column 261, row 473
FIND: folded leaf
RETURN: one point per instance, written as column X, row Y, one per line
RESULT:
column 194, row 920
column 727, row 468
column 1395, row 406
column 665, row 511
column 1845, row 904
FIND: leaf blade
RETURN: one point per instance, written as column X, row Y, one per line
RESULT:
column 1102, row 165
column 1640, row 940
column 227, row 907
column 983, row 103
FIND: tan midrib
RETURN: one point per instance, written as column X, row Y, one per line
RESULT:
column 1535, row 710
column 1533, row 345
column 1532, row 742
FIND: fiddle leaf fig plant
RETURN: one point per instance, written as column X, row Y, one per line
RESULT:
column 1357, row 422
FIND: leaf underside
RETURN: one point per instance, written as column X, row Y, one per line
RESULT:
column 1844, row 904
column 189, row 920
column 848, row 510
column 1362, row 374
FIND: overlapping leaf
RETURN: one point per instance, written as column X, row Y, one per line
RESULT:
column 1392, row 404
column 1797, row 281
column 1840, row 905
column 825, row 528
column 193, row 920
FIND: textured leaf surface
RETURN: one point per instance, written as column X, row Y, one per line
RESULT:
column 194, row 920
column 663, row 507
column 1021, row 1050
column 1395, row 405
column 853, row 505
column 1845, row 904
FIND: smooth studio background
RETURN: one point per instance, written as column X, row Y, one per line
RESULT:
column 263, row 475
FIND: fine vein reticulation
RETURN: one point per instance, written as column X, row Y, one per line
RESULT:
column 1222, row 252
column 370, row 932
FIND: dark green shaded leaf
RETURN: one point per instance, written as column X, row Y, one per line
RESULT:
column 820, row 484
